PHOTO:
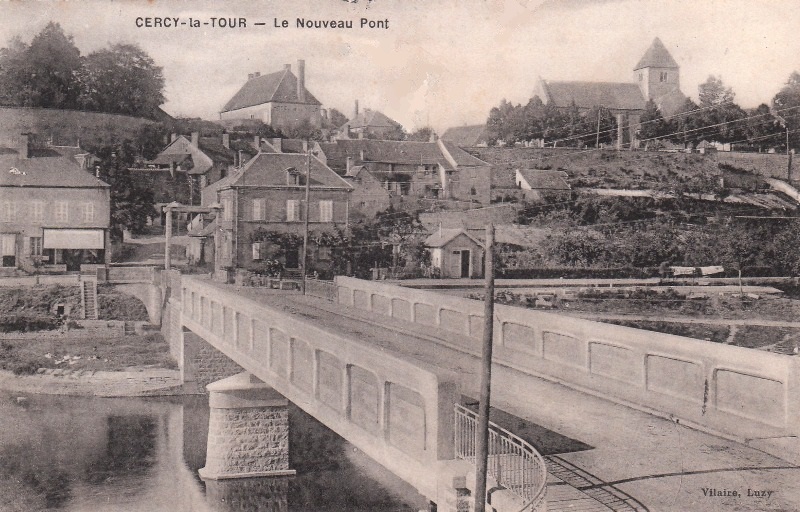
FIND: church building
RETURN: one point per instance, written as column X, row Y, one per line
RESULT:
column 656, row 77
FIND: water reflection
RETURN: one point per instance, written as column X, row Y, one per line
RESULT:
column 91, row 454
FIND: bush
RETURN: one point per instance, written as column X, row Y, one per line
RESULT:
column 28, row 323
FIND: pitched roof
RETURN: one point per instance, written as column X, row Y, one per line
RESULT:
column 610, row 95
column 465, row 136
column 279, row 87
column 44, row 168
column 544, row 180
column 657, row 56
column 268, row 169
column 396, row 152
column 370, row 119
column 442, row 237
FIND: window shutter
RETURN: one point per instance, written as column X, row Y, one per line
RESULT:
column 258, row 214
column 257, row 251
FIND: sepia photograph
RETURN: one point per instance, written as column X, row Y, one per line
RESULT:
column 399, row 256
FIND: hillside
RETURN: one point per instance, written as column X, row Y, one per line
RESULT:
column 599, row 169
column 67, row 127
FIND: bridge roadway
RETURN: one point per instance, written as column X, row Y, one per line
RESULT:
column 634, row 460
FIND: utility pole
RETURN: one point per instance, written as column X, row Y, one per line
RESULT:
column 789, row 154
column 597, row 139
column 168, row 237
column 482, row 433
column 305, row 220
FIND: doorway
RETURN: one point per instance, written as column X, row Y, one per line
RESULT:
column 292, row 258
column 465, row 260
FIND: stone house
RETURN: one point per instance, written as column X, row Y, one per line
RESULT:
column 278, row 99
column 54, row 215
column 268, row 193
column 406, row 169
column 368, row 124
column 456, row 253
column 536, row 184
column 656, row 78
column 369, row 196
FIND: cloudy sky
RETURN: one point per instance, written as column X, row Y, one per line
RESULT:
column 440, row 62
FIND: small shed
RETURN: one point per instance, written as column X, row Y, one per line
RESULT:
column 456, row 253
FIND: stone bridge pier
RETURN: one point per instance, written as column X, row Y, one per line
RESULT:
column 248, row 430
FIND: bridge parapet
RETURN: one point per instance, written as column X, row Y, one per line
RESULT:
column 398, row 411
column 739, row 392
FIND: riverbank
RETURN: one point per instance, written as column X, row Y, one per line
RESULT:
column 132, row 382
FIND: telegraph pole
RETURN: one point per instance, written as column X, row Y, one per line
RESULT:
column 482, row 434
column 305, row 220
column 597, row 139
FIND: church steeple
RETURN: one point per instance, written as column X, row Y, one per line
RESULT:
column 657, row 73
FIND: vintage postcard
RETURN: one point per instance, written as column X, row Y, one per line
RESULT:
column 385, row 255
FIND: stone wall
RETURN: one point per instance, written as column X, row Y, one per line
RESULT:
column 204, row 364
column 259, row 437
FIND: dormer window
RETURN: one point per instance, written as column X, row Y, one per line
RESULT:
column 294, row 177
column 662, row 76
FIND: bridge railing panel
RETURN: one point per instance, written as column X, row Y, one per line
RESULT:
column 734, row 390
column 397, row 410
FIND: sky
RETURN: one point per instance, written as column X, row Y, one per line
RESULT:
column 440, row 63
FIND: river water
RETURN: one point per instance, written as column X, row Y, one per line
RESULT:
column 129, row 454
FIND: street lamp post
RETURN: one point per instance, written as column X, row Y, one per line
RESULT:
column 305, row 220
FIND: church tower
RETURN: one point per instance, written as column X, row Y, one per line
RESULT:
column 657, row 73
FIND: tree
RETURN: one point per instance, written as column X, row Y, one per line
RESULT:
column 131, row 205
column 122, row 79
column 762, row 128
column 786, row 104
column 719, row 112
column 421, row 135
column 42, row 74
column 304, row 130
column 336, row 119
column 397, row 132
column 653, row 125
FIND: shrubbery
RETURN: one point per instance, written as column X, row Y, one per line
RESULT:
column 28, row 322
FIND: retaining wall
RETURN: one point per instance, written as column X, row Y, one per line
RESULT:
column 732, row 390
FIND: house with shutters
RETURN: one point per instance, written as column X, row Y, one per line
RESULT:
column 268, row 194
column 278, row 99
column 410, row 169
column 54, row 214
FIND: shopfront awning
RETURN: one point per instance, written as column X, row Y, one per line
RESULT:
column 74, row 239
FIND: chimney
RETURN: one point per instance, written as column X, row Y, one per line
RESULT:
column 24, row 146
column 172, row 137
column 257, row 143
column 250, row 76
column 287, row 67
column 433, row 136
column 301, row 80
column 349, row 163
column 226, row 140
column 355, row 110
column 276, row 143
column 195, row 139
column 257, row 74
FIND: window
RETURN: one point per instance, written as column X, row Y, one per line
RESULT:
column 62, row 211
column 641, row 77
column 259, row 207
column 9, row 211
column 88, row 212
column 227, row 209
column 37, row 211
column 292, row 210
column 36, row 246
column 257, row 251
column 662, row 77
column 8, row 248
column 324, row 253
column 326, row 211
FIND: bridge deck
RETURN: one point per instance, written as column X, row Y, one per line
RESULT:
column 635, row 458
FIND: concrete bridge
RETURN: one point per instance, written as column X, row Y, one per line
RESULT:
column 355, row 367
